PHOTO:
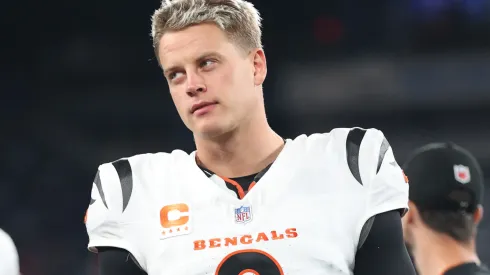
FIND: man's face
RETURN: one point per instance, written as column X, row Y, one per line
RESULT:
column 213, row 83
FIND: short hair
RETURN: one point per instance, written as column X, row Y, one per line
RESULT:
column 239, row 19
column 459, row 225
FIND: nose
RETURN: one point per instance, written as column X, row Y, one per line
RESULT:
column 195, row 84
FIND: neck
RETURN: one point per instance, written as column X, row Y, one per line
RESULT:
column 245, row 151
column 437, row 253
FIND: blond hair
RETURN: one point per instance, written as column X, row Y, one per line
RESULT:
column 239, row 19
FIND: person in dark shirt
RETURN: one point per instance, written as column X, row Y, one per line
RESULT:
column 446, row 193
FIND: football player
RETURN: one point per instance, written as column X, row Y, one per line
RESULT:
column 9, row 258
column 246, row 201
column 446, row 192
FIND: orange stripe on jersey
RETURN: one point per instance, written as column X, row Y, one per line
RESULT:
column 405, row 177
column 249, row 271
column 251, row 185
column 241, row 193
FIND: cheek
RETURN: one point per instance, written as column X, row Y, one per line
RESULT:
column 405, row 226
column 178, row 100
column 226, row 79
column 234, row 79
column 405, row 232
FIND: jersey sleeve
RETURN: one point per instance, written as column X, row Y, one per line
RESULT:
column 385, row 184
column 106, row 223
column 9, row 258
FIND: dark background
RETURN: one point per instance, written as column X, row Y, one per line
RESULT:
column 80, row 87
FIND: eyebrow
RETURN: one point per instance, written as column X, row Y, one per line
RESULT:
column 207, row 55
column 169, row 70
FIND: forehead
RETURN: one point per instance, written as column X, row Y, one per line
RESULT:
column 191, row 42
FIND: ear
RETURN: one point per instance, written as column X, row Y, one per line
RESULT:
column 412, row 216
column 408, row 224
column 260, row 66
column 478, row 215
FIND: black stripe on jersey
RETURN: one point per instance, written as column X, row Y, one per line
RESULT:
column 262, row 173
column 233, row 188
column 353, row 143
column 382, row 152
column 125, row 173
column 99, row 188
column 366, row 228
column 206, row 172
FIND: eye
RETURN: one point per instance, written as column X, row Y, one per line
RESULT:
column 173, row 75
column 206, row 63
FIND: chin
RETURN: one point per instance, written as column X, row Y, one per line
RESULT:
column 211, row 129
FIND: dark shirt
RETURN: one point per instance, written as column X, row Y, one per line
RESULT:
column 468, row 269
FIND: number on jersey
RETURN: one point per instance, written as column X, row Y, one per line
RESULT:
column 249, row 262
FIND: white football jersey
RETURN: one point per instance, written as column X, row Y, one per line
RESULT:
column 9, row 258
column 304, row 216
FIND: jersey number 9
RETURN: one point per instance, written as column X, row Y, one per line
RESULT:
column 249, row 262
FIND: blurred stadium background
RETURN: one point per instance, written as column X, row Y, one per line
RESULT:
column 80, row 87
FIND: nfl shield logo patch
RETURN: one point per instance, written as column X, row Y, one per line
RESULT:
column 462, row 174
column 243, row 214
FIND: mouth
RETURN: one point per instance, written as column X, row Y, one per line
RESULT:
column 201, row 105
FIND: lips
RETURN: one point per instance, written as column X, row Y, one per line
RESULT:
column 200, row 105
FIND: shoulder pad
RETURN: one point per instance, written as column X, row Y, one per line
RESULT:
column 355, row 138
